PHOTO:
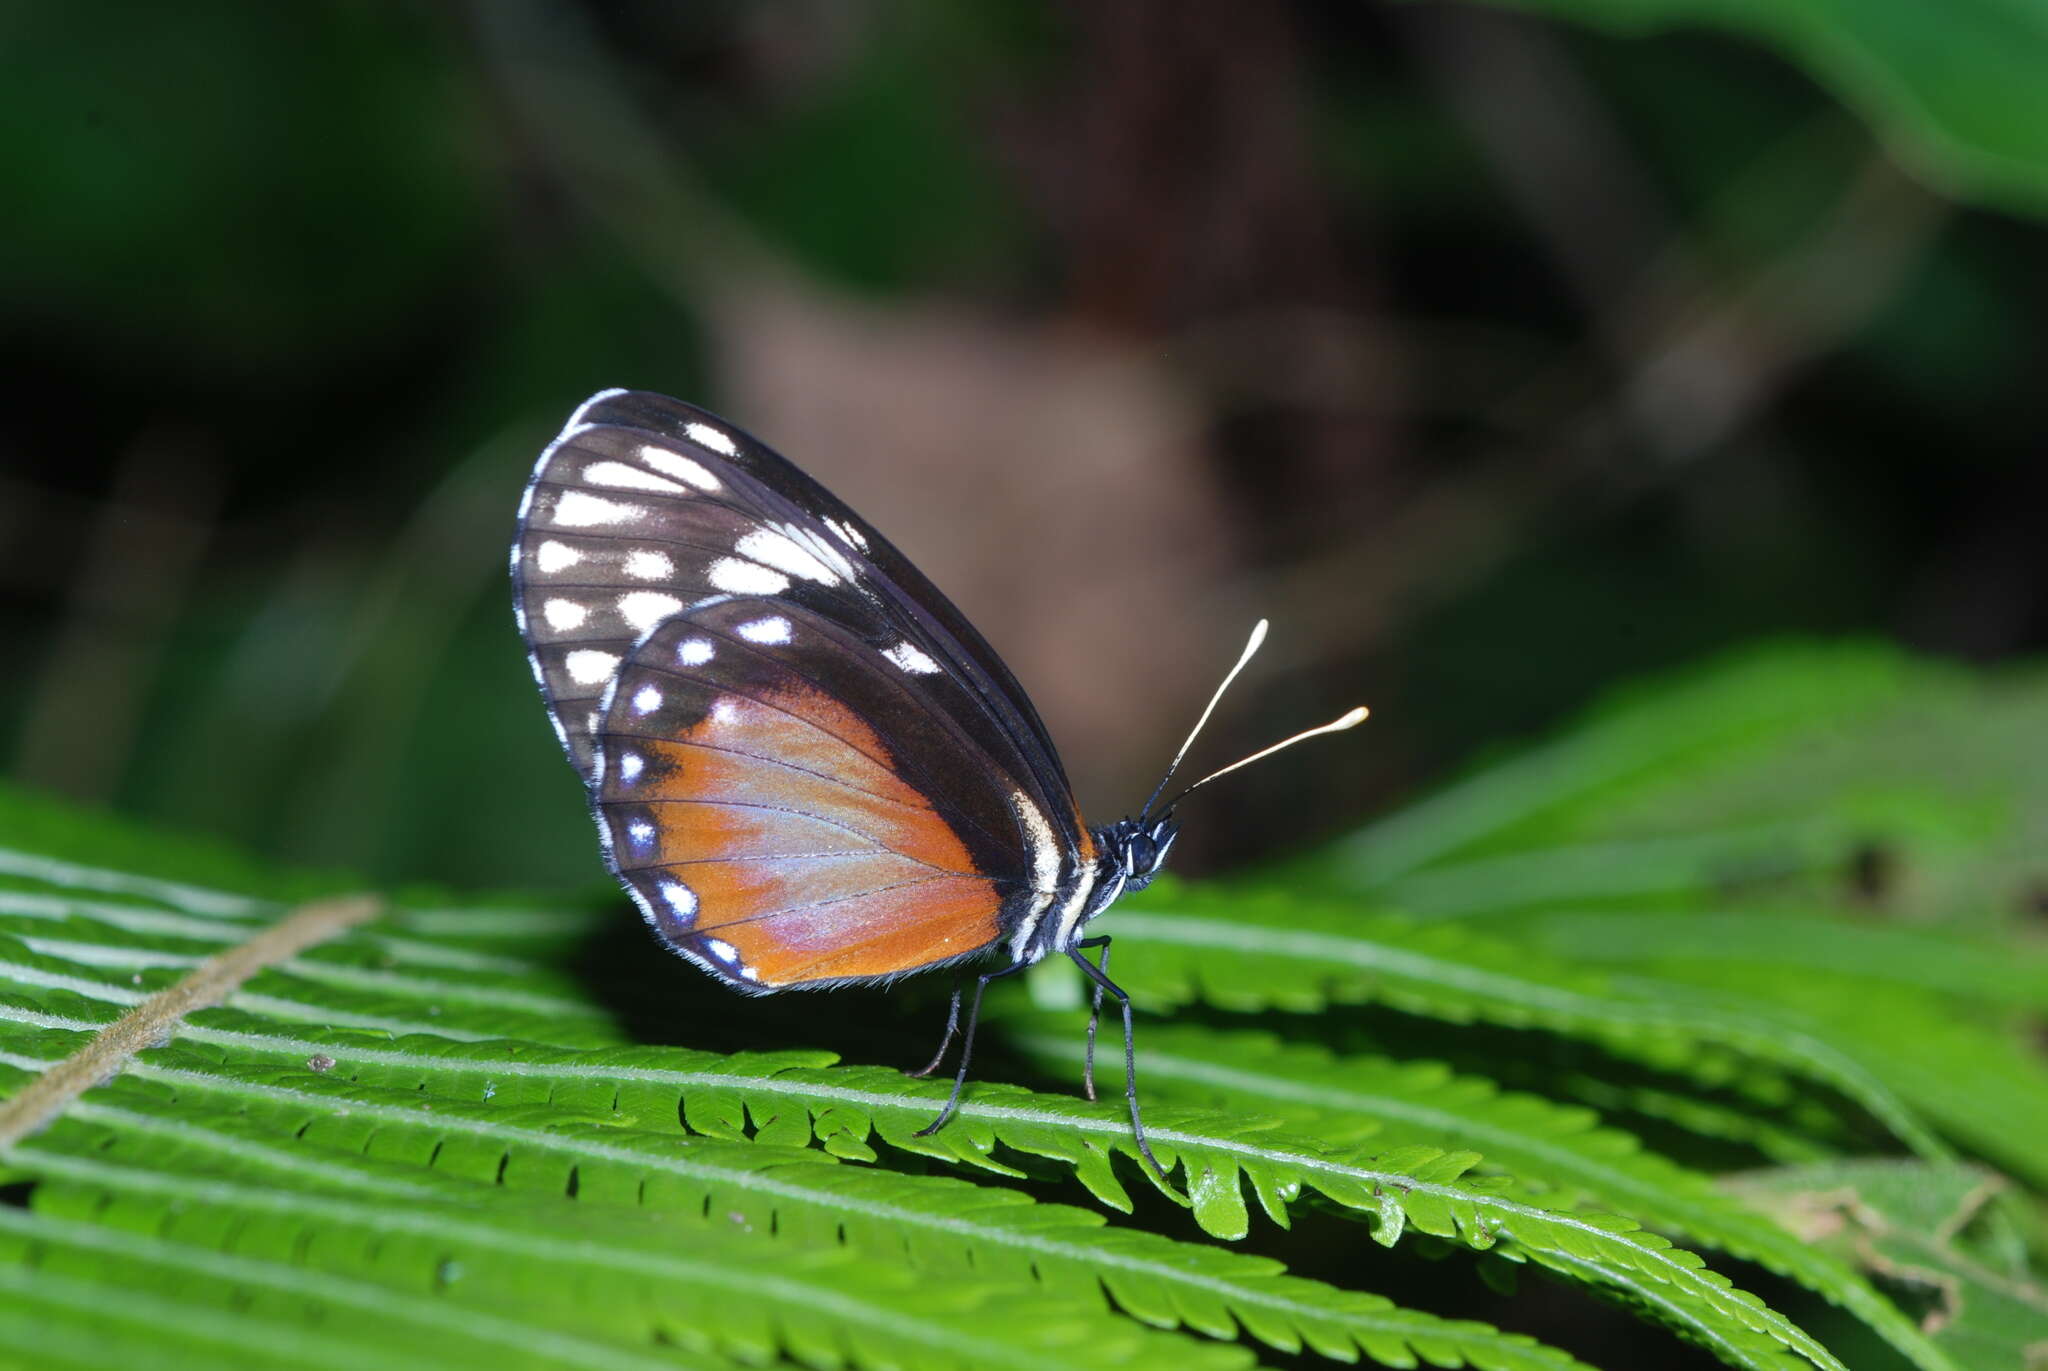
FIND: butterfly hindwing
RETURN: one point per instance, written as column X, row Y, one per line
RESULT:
column 765, row 790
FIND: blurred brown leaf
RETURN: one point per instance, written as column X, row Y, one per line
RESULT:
column 1051, row 481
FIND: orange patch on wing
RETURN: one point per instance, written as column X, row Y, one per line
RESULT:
column 711, row 830
column 733, row 891
column 876, row 934
column 804, row 851
column 803, row 753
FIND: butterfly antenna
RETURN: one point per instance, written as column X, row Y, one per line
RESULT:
column 1349, row 719
column 1251, row 646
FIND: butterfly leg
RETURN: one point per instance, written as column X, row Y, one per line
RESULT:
column 966, row 1046
column 952, row 1027
column 1094, row 1013
column 1103, row 982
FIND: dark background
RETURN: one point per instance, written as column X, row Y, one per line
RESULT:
column 1497, row 359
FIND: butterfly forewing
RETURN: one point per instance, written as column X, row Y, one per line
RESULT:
column 795, row 497
column 785, row 832
column 645, row 507
column 622, row 530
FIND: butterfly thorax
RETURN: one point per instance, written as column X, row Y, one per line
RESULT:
column 1126, row 855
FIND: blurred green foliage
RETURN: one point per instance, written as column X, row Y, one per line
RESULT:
column 1955, row 88
column 230, row 193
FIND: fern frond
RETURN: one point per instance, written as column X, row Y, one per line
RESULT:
column 1253, row 950
column 320, row 1131
column 1984, row 1085
column 1670, row 735
column 1912, row 1223
column 1752, row 783
column 1897, row 1054
column 56, row 1308
column 1998, row 972
column 1691, row 1116
column 844, row 1108
column 617, row 1280
column 1554, row 1147
column 934, row 1224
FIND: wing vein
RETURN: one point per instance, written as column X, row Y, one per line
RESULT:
column 922, row 783
column 876, row 844
column 817, row 904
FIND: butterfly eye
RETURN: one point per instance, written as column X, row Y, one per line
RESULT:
column 1162, row 843
column 1141, row 855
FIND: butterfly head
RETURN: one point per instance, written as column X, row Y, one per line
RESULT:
column 1135, row 849
column 1139, row 847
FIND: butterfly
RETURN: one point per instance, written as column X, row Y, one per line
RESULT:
column 808, row 769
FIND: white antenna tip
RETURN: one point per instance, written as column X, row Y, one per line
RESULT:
column 1353, row 719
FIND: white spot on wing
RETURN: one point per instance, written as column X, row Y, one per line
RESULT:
column 773, row 629
column 911, row 658
column 643, row 609
column 686, row 469
column 721, row 949
column 777, row 549
column 736, row 577
column 681, row 899
column 848, row 533
column 641, row 832
column 552, row 557
column 630, row 766
column 581, row 509
column 646, row 700
column 564, row 615
column 712, row 438
column 693, row 651
column 627, row 477
column 829, row 551
column 645, row 564
column 724, row 710
column 588, row 666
